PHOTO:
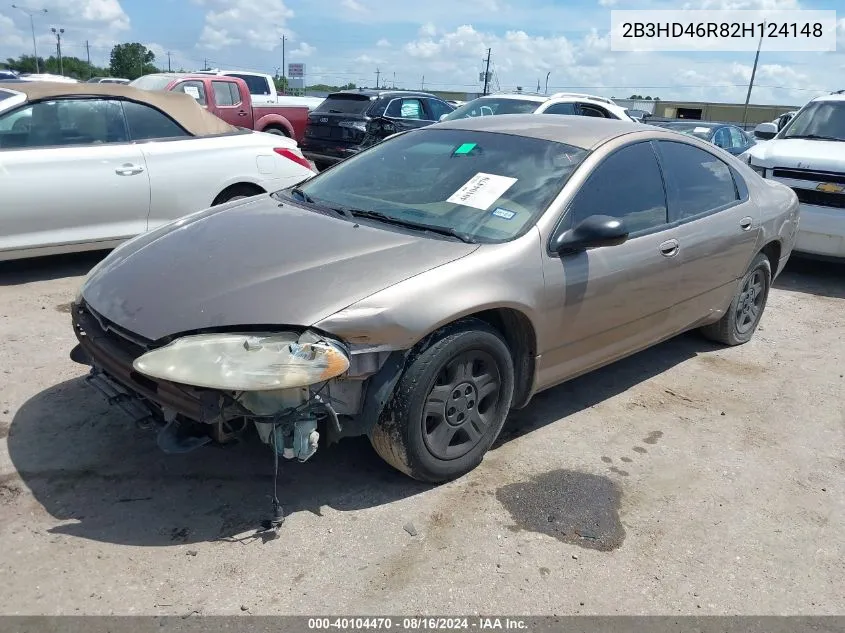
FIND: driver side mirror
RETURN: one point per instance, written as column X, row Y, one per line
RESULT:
column 593, row 232
column 442, row 116
column 765, row 131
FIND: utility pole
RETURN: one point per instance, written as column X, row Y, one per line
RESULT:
column 30, row 13
column 751, row 83
column 547, row 81
column 284, row 70
column 378, row 74
column 58, row 33
column 394, row 80
column 88, row 57
column 205, row 64
column 422, row 84
column 487, row 71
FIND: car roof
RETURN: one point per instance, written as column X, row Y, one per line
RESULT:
column 370, row 92
column 836, row 96
column 517, row 96
column 181, row 107
column 578, row 131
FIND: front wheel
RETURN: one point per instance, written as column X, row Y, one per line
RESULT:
column 738, row 324
column 449, row 405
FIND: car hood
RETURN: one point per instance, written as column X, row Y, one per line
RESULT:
column 263, row 262
column 800, row 154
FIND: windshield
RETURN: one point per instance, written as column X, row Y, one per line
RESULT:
column 344, row 104
column 486, row 186
column 821, row 119
column 489, row 107
column 152, row 82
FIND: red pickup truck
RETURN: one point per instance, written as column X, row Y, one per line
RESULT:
column 229, row 99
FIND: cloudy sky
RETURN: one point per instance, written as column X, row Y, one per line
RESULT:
column 442, row 41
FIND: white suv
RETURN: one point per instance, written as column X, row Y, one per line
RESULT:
column 808, row 155
column 558, row 103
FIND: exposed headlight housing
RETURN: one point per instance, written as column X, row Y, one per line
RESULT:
column 758, row 169
column 246, row 361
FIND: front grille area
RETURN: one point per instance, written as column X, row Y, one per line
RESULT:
column 820, row 198
column 806, row 174
column 113, row 350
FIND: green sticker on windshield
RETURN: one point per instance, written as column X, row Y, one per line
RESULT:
column 466, row 148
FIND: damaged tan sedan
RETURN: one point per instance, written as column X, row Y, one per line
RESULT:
column 417, row 292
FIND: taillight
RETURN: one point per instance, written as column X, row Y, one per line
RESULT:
column 294, row 156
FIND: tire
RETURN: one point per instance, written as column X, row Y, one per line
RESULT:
column 235, row 193
column 276, row 131
column 739, row 323
column 444, row 415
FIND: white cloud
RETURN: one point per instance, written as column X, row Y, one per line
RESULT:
column 303, row 50
column 354, row 5
column 428, row 30
column 101, row 23
column 607, row 3
column 234, row 22
column 383, row 43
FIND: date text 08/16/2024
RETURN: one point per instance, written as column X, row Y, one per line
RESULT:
column 416, row 623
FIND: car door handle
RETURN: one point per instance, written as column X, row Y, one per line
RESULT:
column 670, row 248
column 128, row 169
column 746, row 223
column 242, row 113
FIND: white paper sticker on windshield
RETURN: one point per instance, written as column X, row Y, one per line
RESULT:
column 482, row 190
column 193, row 91
column 701, row 130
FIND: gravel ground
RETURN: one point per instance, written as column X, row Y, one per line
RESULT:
column 689, row 479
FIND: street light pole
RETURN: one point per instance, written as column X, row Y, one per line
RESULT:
column 547, row 81
column 30, row 13
column 58, row 34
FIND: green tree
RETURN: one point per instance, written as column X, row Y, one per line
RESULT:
column 132, row 60
column 70, row 66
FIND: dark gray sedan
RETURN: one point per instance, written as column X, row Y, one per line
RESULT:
column 725, row 135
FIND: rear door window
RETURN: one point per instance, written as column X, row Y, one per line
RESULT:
column 405, row 109
column 561, row 108
column 698, row 182
column 223, row 93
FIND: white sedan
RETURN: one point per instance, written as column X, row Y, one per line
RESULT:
column 87, row 166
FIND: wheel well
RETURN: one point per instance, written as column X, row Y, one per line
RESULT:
column 279, row 127
column 772, row 251
column 519, row 334
column 238, row 189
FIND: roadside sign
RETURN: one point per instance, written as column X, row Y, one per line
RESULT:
column 296, row 70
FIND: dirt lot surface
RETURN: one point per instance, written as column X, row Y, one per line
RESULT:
column 689, row 479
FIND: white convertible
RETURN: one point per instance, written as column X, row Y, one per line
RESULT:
column 86, row 166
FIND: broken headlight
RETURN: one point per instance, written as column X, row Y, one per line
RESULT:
column 246, row 361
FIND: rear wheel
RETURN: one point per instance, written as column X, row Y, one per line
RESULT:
column 276, row 130
column 449, row 406
column 739, row 323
